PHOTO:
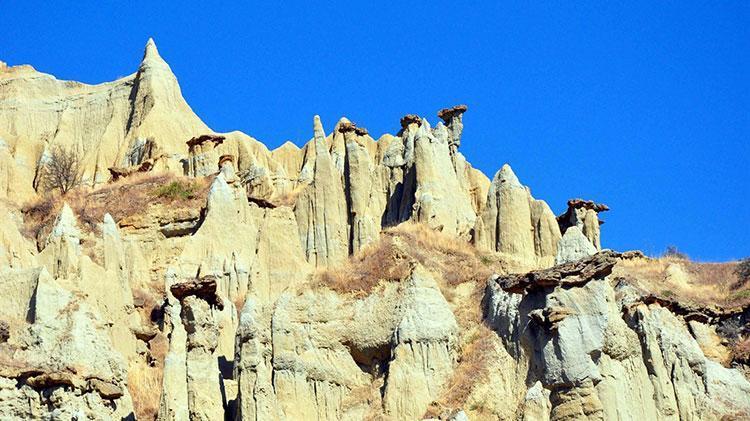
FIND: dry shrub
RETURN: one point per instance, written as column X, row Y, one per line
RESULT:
column 62, row 171
column 144, row 384
column 391, row 258
column 472, row 369
column 120, row 199
column 741, row 351
column 382, row 260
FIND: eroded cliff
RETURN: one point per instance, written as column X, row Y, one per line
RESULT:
column 198, row 275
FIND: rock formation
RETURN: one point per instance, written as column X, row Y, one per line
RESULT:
column 603, row 355
column 204, row 394
column 584, row 215
column 515, row 224
column 346, row 279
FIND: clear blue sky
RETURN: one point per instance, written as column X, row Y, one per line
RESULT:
column 644, row 106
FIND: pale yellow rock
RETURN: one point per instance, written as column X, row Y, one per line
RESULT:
column 506, row 222
column 366, row 197
column 205, row 401
column 105, row 124
column 321, row 210
column 15, row 250
column 424, row 349
column 440, row 200
column 279, row 263
column 546, row 232
column 591, row 228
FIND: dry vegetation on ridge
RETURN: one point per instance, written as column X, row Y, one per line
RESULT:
column 121, row 199
column 705, row 284
column 390, row 258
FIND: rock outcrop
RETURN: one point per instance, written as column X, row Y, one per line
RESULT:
column 313, row 354
column 321, row 209
column 515, row 224
column 584, row 215
column 106, row 124
column 604, row 354
column 204, row 395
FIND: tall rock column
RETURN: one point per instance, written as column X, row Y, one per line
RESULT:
column 321, row 209
column 506, row 222
column 423, row 352
column 198, row 298
column 440, row 200
column 453, row 118
column 516, row 224
column 253, row 365
column 359, row 182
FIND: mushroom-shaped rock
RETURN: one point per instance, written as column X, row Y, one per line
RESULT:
column 453, row 118
column 584, row 215
column 410, row 119
column 203, row 288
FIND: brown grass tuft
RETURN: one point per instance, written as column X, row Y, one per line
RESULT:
column 471, row 371
column 144, row 384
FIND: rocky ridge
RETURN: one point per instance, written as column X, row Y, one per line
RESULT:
column 226, row 311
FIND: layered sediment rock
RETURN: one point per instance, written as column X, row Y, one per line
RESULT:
column 313, row 354
column 603, row 355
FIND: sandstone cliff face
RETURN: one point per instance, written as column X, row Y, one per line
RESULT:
column 605, row 354
column 516, row 224
column 225, row 309
column 318, row 355
column 107, row 124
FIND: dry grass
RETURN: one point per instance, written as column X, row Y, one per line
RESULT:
column 471, row 370
column 741, row 351
column 144, row 383
column 289, row 198
column 687, row 281
column 391, row 258
column 120, row 199
column 145, row 380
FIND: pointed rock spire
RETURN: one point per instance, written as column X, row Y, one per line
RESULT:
column 66, row 224
column 319, row 134
column 151, row 52
column 152, row 59
column 507, row 176
column 109, row 226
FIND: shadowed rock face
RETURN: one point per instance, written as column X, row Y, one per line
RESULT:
column 278, row 297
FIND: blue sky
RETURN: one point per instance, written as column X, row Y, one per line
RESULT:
column 644, row 106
